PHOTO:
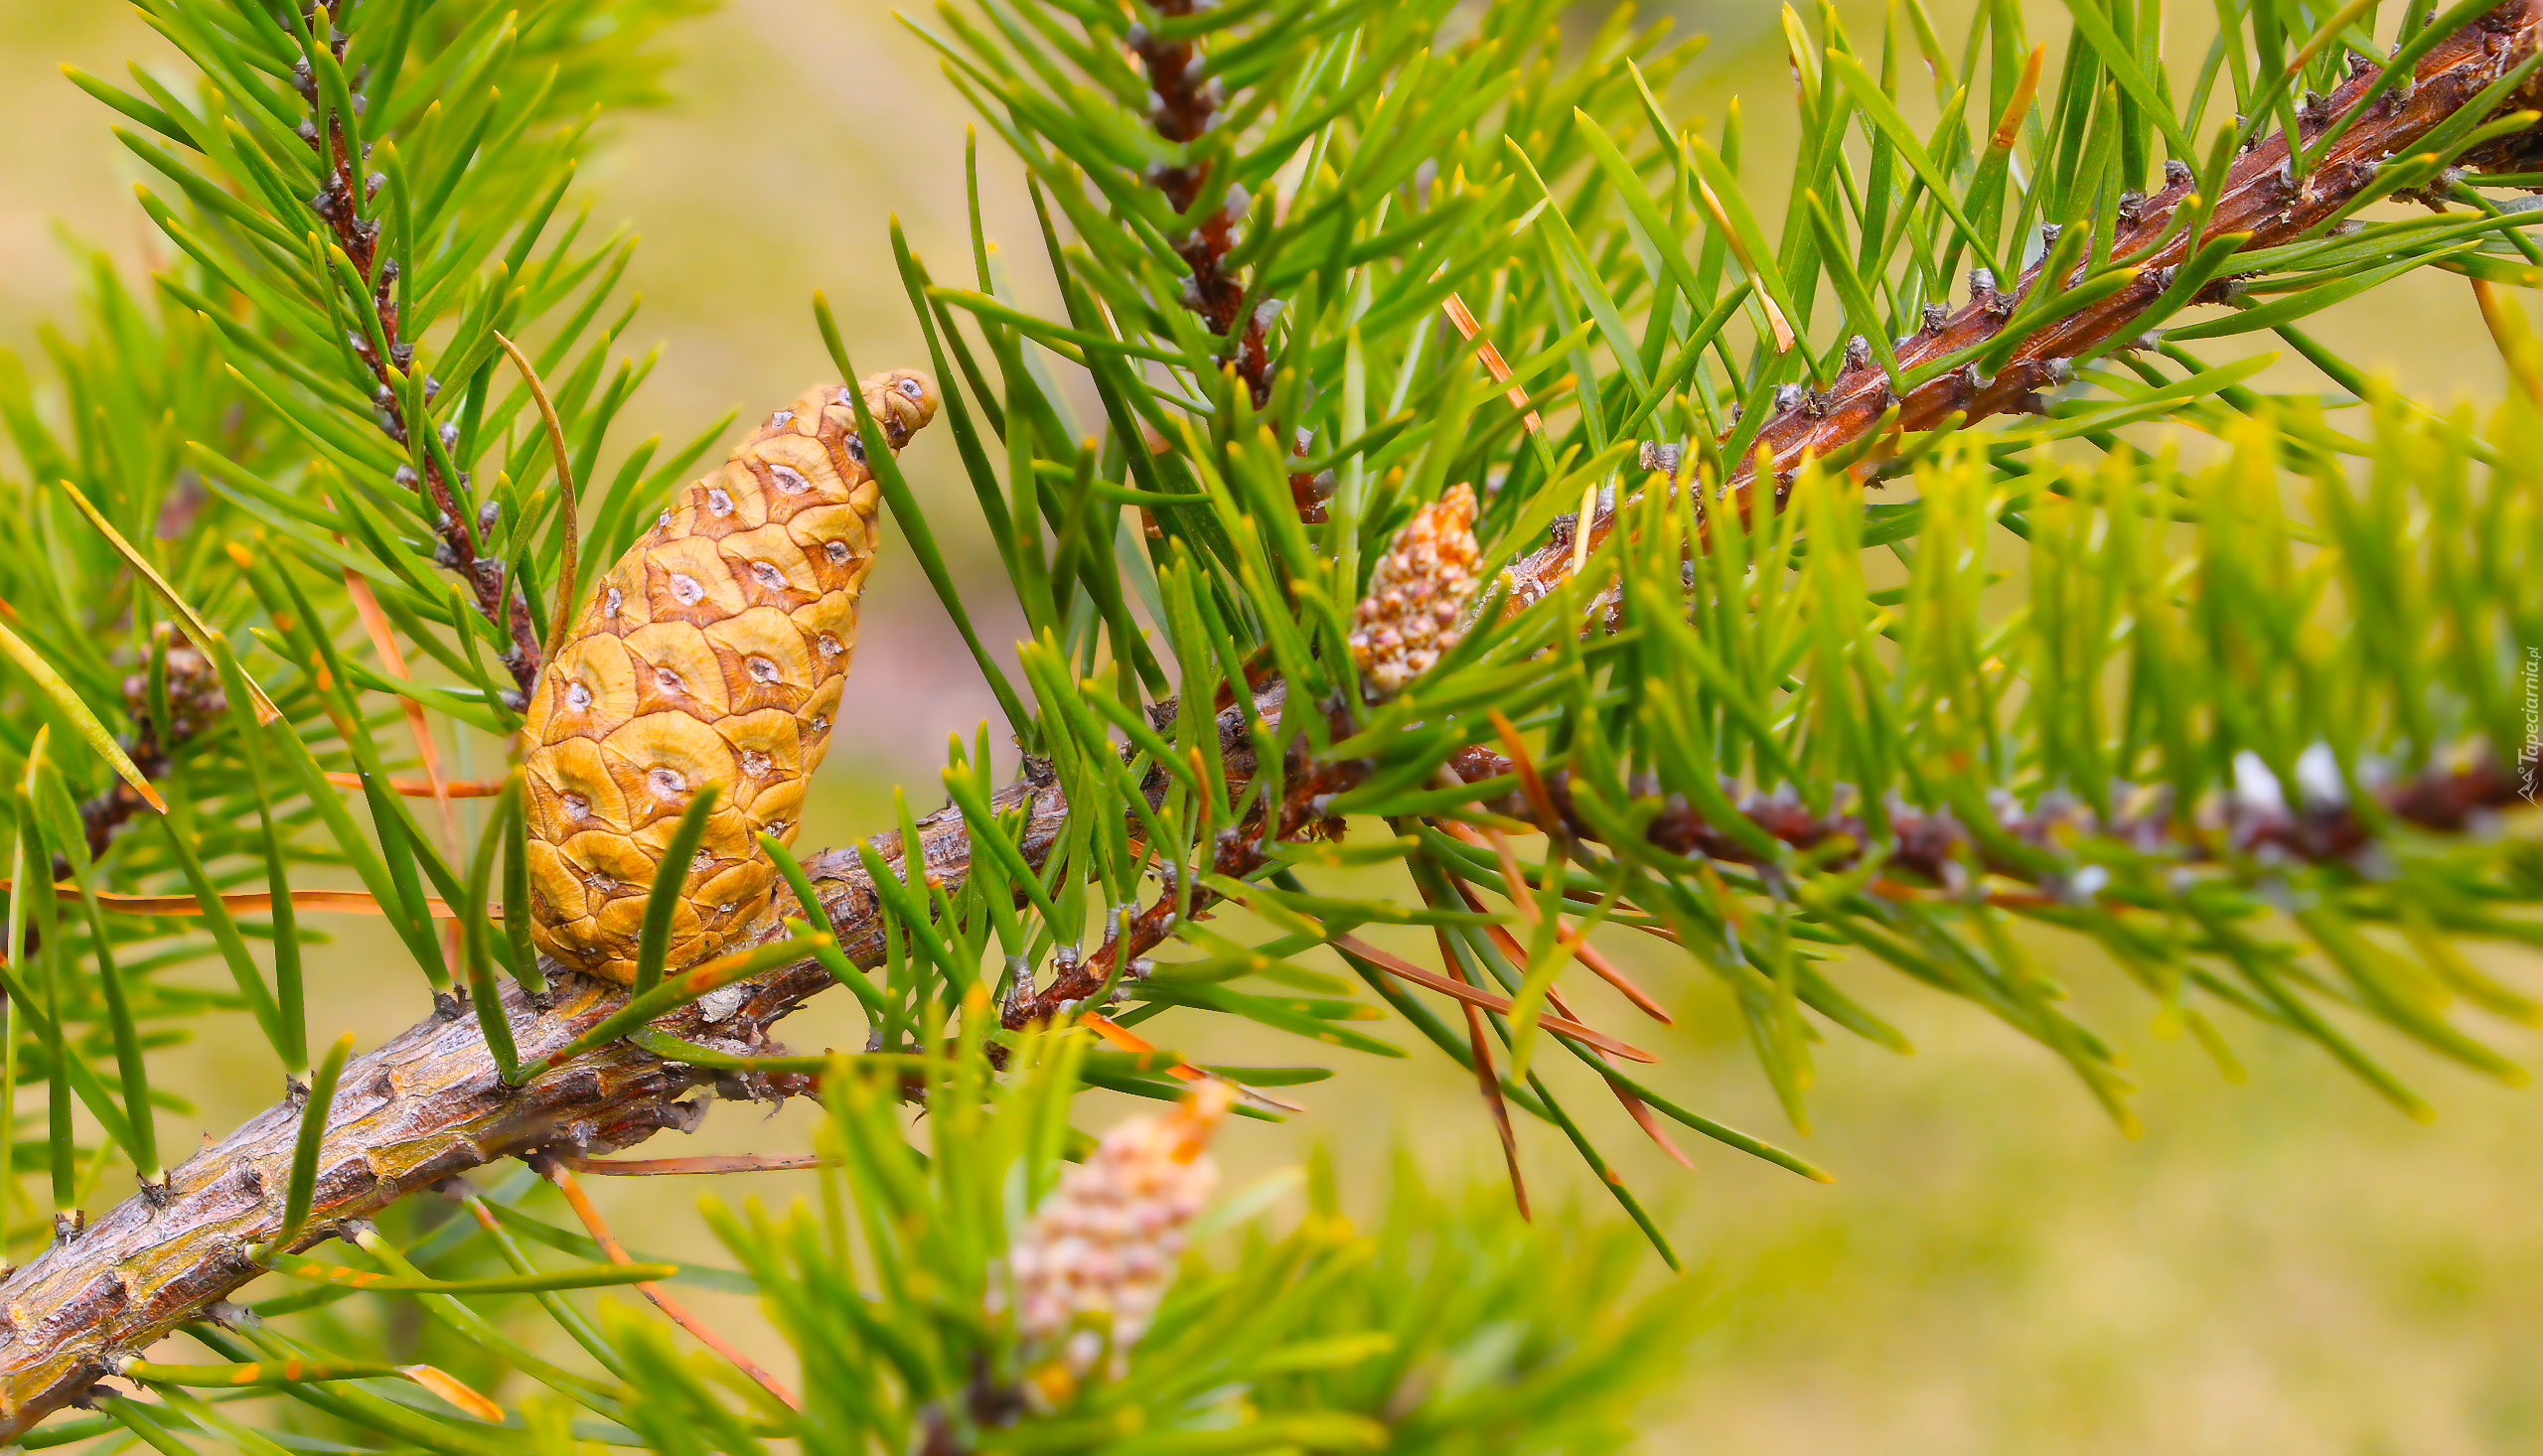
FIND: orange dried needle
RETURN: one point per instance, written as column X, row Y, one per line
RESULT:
column 2009, row 126
column 425, row 788
column 357, row 902
column 1634, row 1107
column 1487, row 1079
column 1559, row 1024
column 559, row 1174
column 1529, row 778
column 1127, row 1040
column 384, row 641
column 1571, row 941
column 1463, row 317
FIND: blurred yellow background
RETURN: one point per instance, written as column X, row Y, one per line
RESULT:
column 2286, row 1266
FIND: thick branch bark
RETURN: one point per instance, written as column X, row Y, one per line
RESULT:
column 2259, row 198
column 425, row 1107
column 429, row 1105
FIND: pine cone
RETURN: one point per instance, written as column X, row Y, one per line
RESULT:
column 1418, row 593
column 1106, row 1240
column 713, row 652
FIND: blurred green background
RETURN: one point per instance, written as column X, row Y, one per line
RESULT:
column 2284, row 1266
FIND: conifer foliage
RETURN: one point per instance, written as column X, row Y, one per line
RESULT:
column 1459, row 511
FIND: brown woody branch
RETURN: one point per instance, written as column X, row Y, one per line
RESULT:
column 429, row 1105
column 341, row 204
column 193, row 701
column 2253, row 826
column 1309, row 784
column 426, row 1108
column 1184, row 102
column 1854, row 418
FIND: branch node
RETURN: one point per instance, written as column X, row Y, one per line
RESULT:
column 1983, row 293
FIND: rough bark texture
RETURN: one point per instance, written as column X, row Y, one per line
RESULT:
column 429, row 1105
column 2259, row 198
column 426, row 1107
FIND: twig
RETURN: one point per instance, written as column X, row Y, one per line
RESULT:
column 1187, row 102
column 341, row 203
column 1863, row 412
column 2446, row 798
column 195, row 700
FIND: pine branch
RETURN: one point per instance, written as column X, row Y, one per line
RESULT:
column 2450, row 797
column 342, row 204
column 1185, row 105
column 193, row 701
column 1243, row 851
column 431, row 1105
column 1865, row 417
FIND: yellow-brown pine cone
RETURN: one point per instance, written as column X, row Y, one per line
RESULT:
column 713, row 652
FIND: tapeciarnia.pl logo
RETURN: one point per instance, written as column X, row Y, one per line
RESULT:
column 2529, row 763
